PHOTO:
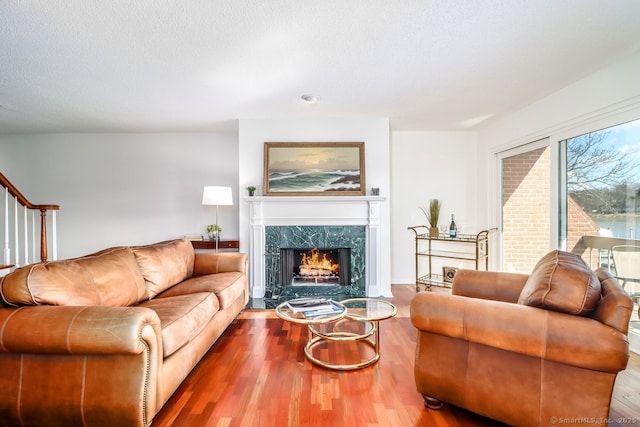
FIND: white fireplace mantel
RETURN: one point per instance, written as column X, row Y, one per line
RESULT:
column 314, row 211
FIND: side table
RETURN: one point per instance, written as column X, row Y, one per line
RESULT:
column 211, row 244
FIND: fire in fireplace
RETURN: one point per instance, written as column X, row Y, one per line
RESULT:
column 315, row 266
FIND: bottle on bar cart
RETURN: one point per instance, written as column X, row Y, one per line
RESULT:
column 453, row 229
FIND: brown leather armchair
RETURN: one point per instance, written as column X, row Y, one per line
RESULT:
column 495, row 351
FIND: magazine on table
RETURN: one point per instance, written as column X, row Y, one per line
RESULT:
column 333, row 308
column 300, row 305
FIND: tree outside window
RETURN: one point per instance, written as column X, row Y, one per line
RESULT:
column 603, row 178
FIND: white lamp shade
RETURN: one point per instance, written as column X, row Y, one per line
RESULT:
column 219, row 196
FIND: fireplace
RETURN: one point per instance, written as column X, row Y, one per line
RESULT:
column 305, row 222
column 315, row 261
column 315, row 266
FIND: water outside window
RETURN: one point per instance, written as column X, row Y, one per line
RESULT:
column 600, row 199
column 603, row 178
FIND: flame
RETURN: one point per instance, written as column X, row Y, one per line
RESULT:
column 311, row 264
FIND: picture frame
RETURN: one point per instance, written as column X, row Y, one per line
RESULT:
column 448, row 273
column 314, row 169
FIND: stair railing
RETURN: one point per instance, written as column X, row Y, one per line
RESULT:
column 18, row 218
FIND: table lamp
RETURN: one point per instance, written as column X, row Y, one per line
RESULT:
column 218, row 196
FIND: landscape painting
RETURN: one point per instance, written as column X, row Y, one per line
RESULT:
column 314, row 169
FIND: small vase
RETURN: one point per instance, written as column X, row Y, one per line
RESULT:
column 433, row 232
column 213, row 235
column 251, row 193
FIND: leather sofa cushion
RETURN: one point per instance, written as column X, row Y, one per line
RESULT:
column 108, row 278
column 562, row 281
column 616, row 307
column 182, row 317
column 227, row 287
column 164, row 264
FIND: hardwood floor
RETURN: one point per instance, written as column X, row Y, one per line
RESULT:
column 257, row 375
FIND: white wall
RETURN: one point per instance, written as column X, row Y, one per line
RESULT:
column 124, row 189
column 430, row 165
column 253, row 133
column 105, row 183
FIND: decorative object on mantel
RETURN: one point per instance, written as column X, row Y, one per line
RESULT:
column 375, row 191
column 314, row 169
column 433, row 214
column 251, row 190
column 216, row 196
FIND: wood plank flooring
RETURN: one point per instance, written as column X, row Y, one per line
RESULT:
column 257, row 375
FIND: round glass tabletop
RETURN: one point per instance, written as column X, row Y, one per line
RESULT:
column 371, row 309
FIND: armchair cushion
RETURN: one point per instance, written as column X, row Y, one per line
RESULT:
column 562, row 281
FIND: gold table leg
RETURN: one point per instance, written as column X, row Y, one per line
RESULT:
column 315, row 338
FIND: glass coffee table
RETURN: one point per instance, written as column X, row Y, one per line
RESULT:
column 357, row 324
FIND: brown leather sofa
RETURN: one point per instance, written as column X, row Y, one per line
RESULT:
column 527, row 350
column 105, row 340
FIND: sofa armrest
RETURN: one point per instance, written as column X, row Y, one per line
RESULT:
column 492, row 285
column 212, row 263
column 78, row 330
column 563, row 338
column 72, row 365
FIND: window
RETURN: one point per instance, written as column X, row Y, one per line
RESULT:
column 600, row 204
column 600, row 186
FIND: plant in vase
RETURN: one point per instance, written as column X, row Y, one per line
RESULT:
column 213, row 230
column 251, row 189
column 433, row 215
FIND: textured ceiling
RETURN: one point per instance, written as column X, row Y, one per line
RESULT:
column 199, row 65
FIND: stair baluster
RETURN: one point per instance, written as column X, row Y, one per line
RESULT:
column 22, row 225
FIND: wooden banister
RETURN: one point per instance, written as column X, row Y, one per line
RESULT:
column 23, row 200
column 43, row 208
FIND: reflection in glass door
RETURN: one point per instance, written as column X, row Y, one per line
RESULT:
column 600, row 203
column 602, row 178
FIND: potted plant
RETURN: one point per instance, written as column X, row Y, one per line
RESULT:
column 251, row 189
column 213, row 230
column 433, row 214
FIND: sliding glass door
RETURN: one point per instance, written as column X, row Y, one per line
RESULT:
column 600, row 205
column 600, row 189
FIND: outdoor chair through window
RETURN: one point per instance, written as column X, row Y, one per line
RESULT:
column 626, row 260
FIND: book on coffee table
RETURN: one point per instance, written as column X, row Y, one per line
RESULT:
column 299, row 305
column 332, row 308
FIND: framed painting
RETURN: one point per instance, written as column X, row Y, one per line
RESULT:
column 314, row 169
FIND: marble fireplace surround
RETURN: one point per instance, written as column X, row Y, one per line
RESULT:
column 265, row 211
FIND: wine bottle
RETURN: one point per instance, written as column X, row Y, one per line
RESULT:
column 453, row 229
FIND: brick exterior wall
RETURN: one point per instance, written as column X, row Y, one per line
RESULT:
column 526, row 197
column 579, row 224
column 525, row 209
